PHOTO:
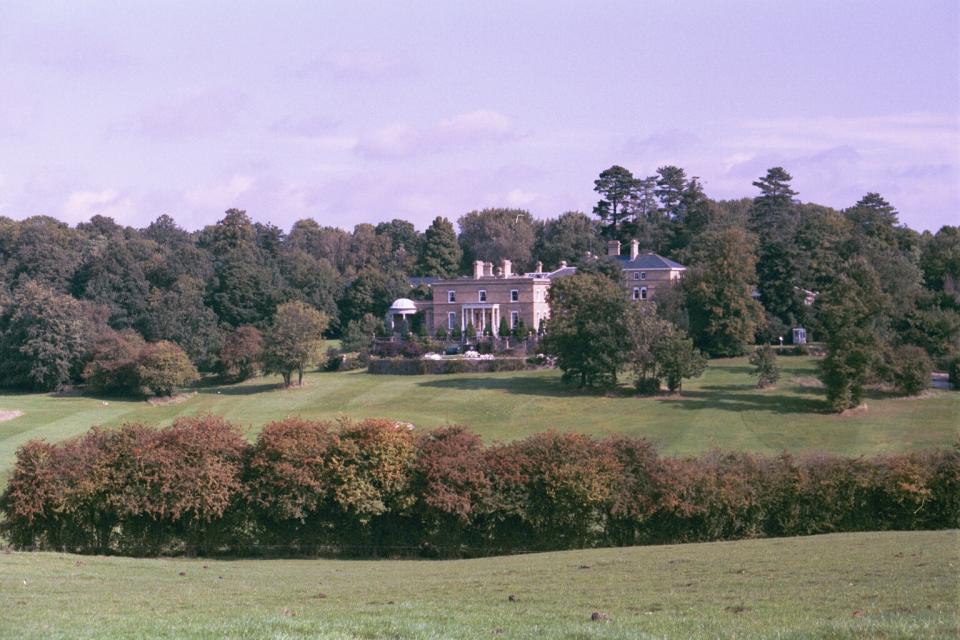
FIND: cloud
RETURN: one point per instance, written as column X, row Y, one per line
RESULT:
column 314, row 126
column 661, row 142
column 519, row 197
column 394, row 140
column 199, row 115
column 355, row 65
column 473, row 126
column 462, row 131
column 82, row 205
column 220, row 196
column 69, row 49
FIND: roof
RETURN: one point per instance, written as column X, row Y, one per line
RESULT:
column 650, row 261
column 416, row 281
column 403, row 304
column 559, row 273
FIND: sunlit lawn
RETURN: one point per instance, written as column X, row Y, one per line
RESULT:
column 721, row 409
column 868, row 585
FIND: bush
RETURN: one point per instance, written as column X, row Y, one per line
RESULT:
column 953, row 371
column 163, row 367
column 367, row 487
column 113, row 365
column 911, row 369
column 764, row 360
column 241, row 353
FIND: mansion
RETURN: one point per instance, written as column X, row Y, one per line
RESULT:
column 493, row 293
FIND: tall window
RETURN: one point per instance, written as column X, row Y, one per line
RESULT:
column 514, row 319
column 451, row 296
column 483, row 295
column 636, row 293
column 451, row 320
column 514, row 295
column 643, row 293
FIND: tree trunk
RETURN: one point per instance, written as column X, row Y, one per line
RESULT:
column 300, row 376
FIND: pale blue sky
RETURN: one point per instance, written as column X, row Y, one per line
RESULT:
column 363, row 111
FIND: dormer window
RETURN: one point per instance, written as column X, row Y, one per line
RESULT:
column 482, row 295
column 451, row 296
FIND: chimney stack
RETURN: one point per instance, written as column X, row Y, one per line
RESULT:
column 634, row 249
column 563, row 264
column 478, row 269
column 613, row 248
column 488, row 269
column 507, row 268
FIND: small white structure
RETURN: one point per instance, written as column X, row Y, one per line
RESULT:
column 401, row 310
column 799, row 335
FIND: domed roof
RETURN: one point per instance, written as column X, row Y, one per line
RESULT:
column 401, row 305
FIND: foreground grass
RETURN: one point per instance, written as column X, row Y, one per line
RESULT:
column 721, row 409
column 867, row 585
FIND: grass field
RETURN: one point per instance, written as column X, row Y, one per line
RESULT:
column 866, row 585
column 721, row 409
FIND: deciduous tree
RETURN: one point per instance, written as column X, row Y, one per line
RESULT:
column 294, row 340
column 586, row 331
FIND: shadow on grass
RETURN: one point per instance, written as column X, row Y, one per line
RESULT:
column 718, row 399
column 521, row 385
column 241, row 389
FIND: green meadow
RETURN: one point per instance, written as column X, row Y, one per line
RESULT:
column 720, row 409
column 862, row 585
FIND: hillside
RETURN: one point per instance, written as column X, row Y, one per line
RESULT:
column 876, row 585
column 721, row 409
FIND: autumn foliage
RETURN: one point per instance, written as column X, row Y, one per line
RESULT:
column 379, row 487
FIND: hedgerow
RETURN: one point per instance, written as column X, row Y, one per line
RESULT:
column 379, row 487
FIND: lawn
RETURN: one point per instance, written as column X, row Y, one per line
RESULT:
column 863, row 585
column 721, row 409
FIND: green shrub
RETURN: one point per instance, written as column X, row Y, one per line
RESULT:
column 911, row 369
column 764, row 360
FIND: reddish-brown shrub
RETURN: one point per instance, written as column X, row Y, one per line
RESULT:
column 288, row 474
column 371, row 467
column 371, row 485
column 449, row 474
column 241, row 353
column 560, row 485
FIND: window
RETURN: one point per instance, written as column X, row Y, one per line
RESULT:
column 451, row 320
column 514, row 319
column 643, row 293
column 451, row 296
column 483, row 295
column 643, row 275
column 636, row 275
column 636, row 293
column 514, row 295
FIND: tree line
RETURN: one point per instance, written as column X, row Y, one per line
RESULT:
column 751, row 265
column 884, row 299
column 377, row 487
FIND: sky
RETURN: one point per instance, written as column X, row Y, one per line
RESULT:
column 351, row 112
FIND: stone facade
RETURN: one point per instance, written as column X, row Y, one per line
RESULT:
column 491, row 294
column 645, row 273
column 488, row 296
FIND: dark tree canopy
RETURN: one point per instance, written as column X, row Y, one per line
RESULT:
column 617, row 188
column 440, row 252
column 493, row 235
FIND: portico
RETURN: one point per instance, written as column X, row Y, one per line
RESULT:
column 482, row 315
